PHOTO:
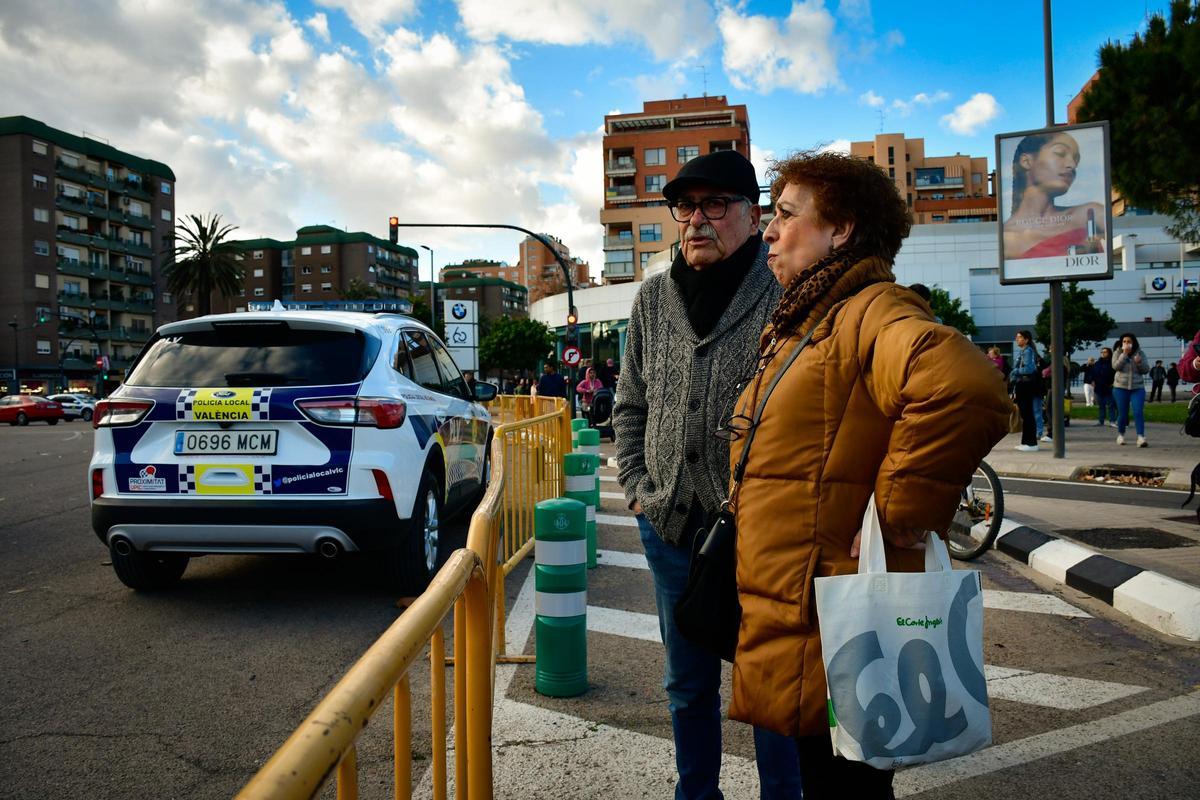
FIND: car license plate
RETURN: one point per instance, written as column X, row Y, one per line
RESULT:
column 240, row 442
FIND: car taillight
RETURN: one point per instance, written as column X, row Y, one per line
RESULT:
column 97, row 483
column 115, row 413
column 382, row 485
column 371, row 412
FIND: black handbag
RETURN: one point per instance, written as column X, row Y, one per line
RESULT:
column 708, row 613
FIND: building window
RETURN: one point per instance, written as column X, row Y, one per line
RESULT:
column 257, row 256
column 39, row 147
column 326, row 269
column 654, row 183
column 165, row 187
column 645, row 259
column 166, row 215
column 939, row 218
column 41, row 280
column 258, row 273
column 260, row 292
column 41, row 248
column 370, row 249
column 891, row 155
column 891, row 172
column 41, row 215
column 39, row 181
column 656, row 156
column 326, row 249
column 686, row 154
column 306, row 270
column 43, row 347
column 306, row 251
column 326, row 287
column 71, row 222
column 166, row 298
column 650, row 232
column 306, row 287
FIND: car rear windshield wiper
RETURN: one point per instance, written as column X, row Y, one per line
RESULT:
column 263, row 379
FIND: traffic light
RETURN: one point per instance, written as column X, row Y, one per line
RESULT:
column 393, row 229
column 572, row 326
column 42, row 315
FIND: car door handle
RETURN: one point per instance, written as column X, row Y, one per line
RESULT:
column 224, row 477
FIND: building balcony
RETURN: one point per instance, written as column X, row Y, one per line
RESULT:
column 135, row 276
column 621, row 167
column 132, row 247
column 128, row 334
column 77, row 174
column 82, row 332
column 618, row 271
column 949, row 182
column 84, row 269
column 132, row 220
column 76, row 300
column 73, row 236
column 81, row 205
column 620, row 192
column 618, row 242
column 391, row 280
column 78, row 364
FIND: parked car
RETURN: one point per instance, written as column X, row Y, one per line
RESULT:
column 22, row 409
column 287, row 432
column 75, row 406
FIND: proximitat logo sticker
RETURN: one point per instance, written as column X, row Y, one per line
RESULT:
column 223, row 405
column 148, row 480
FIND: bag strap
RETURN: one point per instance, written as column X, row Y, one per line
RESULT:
column 740, row 469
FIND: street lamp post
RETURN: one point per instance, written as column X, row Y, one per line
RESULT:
column 432, row 289
column 15, row 386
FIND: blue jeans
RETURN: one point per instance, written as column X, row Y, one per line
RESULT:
column 1126, row 398
column 692, row 678
column 1038, row 406
column 1105, row 405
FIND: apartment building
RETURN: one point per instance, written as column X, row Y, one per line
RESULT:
column 317, row 267
column 938, row 189
column 642, row 152
column 83, row 229
column 497, row 297
column 538, row 268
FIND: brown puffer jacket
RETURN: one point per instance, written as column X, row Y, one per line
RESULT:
column 883, row 400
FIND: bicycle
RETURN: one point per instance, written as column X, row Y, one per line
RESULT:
column 980, row 512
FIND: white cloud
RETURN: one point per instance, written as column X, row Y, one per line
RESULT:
column 764, row 54
column 319, row 24
column 369, row 17
column 669, row 31
column 836, row 146
column 869, row 98
column 972, row 115
column 920, row 99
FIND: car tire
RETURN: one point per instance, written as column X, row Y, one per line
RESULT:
column 148, row 572
column 413, row 563
column 52, row 421
column 86, row 416
column 22, row 419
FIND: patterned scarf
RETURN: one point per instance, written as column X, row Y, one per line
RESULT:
column 819, row 287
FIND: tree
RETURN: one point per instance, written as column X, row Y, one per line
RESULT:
column 950, row 311
column 1185, row 316
column 515, row 343
column 1083, row 323
column 359, row 290
column 202, row 261
column 422, row 313
column 1149, row 91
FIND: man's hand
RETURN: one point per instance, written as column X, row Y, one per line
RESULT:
column 636, row 508
column 907, row 538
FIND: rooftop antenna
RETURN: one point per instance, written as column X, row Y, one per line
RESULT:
column 704, row 74
column 881, row 114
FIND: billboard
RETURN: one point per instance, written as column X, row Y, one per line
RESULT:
column 1054, row 193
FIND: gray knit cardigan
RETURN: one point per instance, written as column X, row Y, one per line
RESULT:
column 676, row 389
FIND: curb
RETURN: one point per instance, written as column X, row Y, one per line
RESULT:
column 1162, row 603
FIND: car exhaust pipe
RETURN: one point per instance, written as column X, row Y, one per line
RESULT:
column 329, row 548
column 122, row 546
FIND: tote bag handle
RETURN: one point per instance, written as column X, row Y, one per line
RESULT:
column 871, row 558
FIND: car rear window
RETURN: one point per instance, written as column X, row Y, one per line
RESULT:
column 244, row 354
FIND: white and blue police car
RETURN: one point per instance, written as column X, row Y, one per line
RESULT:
column 287, row 432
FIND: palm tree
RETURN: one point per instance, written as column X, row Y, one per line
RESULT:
column 202, row 262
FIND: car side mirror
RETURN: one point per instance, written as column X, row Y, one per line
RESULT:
column 486, row 392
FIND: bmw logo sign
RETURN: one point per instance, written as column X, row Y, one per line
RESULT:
column 459, row 311
column 1159, row 283
column 224, row 394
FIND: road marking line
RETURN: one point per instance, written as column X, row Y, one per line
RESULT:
column 613, row 519
column 612, row 495
column 1032, row 602
column 618, row 558
column 1053, row 691
column 609, row 479
column 629, row 624
column 1022, row 751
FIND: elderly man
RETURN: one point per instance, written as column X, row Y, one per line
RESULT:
column 692, row 338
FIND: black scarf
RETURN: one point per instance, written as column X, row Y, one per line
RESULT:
column 707, row 292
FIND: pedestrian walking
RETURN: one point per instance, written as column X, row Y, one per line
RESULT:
column 997, row 358
column 1130, row 366
column 1089, row 382
column 587, row 389
column 908, row 417
column 1158, row 376
column 691, row 340
column 551, row 384
column 1102, row 379
column 1025, row 384
column 1172, row 380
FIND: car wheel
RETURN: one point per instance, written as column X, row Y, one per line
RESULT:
column 86, row 415
column 52, row 421
column 147, row 572
column 22, row 419
column 413, row 563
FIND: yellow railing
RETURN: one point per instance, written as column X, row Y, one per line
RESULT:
column 526, row 468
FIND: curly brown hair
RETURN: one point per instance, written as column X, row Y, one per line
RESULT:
column 848, row 189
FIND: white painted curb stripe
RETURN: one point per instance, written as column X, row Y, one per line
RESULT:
column 612, row 496
column 1055, row 558
column 591, row 513
column 607, row 479
column 581, row 483
column 560, row 554
column 561, row 604
column 1163, row 603
column 613, row 519
column 617, row 558
column 588, row 449
column 624, row 623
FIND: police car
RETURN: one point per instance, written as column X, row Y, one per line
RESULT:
column 286, row 432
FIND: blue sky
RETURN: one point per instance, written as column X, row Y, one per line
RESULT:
column 279, row 115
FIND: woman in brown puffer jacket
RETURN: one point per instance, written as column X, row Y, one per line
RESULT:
column 883, row 400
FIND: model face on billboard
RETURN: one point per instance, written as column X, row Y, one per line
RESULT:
column 1050, row 169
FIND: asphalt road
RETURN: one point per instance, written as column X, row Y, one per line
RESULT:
column 110, row 693
column 1077, row 491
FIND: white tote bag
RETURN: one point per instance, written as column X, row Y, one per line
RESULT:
column 903, row 657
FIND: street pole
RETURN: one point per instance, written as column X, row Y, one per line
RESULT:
column 1057, row 389
column 15, row 386
column 432, row 289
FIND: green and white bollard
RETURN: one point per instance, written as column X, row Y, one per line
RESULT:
column 581, row 471
column 578, row 424
column 560, row 577
column 589, row 442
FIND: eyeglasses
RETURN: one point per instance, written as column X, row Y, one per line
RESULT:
column 734, row 427
column 711, row 207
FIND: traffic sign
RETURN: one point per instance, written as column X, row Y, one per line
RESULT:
column 571, row 356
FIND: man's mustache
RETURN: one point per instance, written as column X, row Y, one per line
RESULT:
column 705, row 230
